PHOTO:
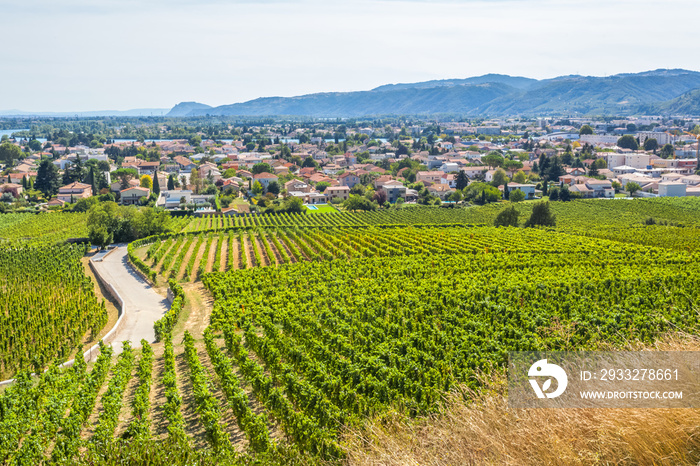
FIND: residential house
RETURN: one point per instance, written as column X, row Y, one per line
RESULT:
column 55, row 202
column 450, row 179
column 394, row 190
column 380, row 180
column 74, row 192
column 265, row 179
column 172, row 199
column 12, row 188
column 147, row 168
column 429, row 177
column 331, row 169
column 117, row 185
column 184, row 163
column 691, row 180
column 337, row 192
column 133, row 195
column 297, row 185
column 449, row 167
column 440, row 190
column 527, row 189
column 316, row 198
column 473, row 172
column 349, row 179
column 600, row 188
column 582, row 189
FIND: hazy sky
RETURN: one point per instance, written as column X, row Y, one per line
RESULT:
column 77, row 55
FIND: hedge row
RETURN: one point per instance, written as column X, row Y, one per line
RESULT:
column 166, row 323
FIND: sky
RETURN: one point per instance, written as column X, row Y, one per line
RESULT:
column 81, row 55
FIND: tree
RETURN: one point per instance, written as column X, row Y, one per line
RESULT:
column 380, row 197
column 481, row 193
column 541, row 216
column 261, row 167
column 632, row 187
column 516, row 195
column 499, row 177
column 195, row 180
column 586, row 129
column 146, row 182
column 593, row 170
column 156, row 184
column 455, row 196
column 92, row 181
column 507, row 217
column 76, row 172
column 34, row 145
column 520, row 177
column 321, row 186
column 274, row 188
column 309, row 163
column 506, row 191
column 125, row 175
column 554, row 194
column 9, row 152
column 564, row 194
column 628, row 142
column 171, row 182
column 512, row 164
column 47, row 180
column 462, row 180
column 555, row 170
column 651, row 144
column 493, row 159
column 257, row 188
column 355, row 202
column 99, row 236
column 667, row 151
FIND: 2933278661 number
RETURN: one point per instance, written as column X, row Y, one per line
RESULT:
column 638, row 374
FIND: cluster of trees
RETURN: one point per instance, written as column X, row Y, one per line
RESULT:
column 541, row 216
column 289, row 205
column 109, row 222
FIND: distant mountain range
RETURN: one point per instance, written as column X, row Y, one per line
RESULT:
column 664, row 92
column 99, row 113
column 652, row 92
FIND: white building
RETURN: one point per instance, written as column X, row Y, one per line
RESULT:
column 671, row 189
column 593, row 139
column 634, row 160
column 661, row 138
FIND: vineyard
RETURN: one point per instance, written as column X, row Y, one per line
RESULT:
column 49, row 227
column 318, row 323
column 187, row 257
column 47, row 305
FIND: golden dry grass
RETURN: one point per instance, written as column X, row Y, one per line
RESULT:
column 483, row 431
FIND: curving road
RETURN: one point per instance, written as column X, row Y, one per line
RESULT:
column 143, row 305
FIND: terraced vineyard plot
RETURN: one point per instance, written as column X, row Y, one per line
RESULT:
column 253, row 248
column 347, row 339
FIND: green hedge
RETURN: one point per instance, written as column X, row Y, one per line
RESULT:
column 138, row 263
column 166, row 323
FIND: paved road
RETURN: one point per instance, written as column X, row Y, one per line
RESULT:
column 143, row 305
